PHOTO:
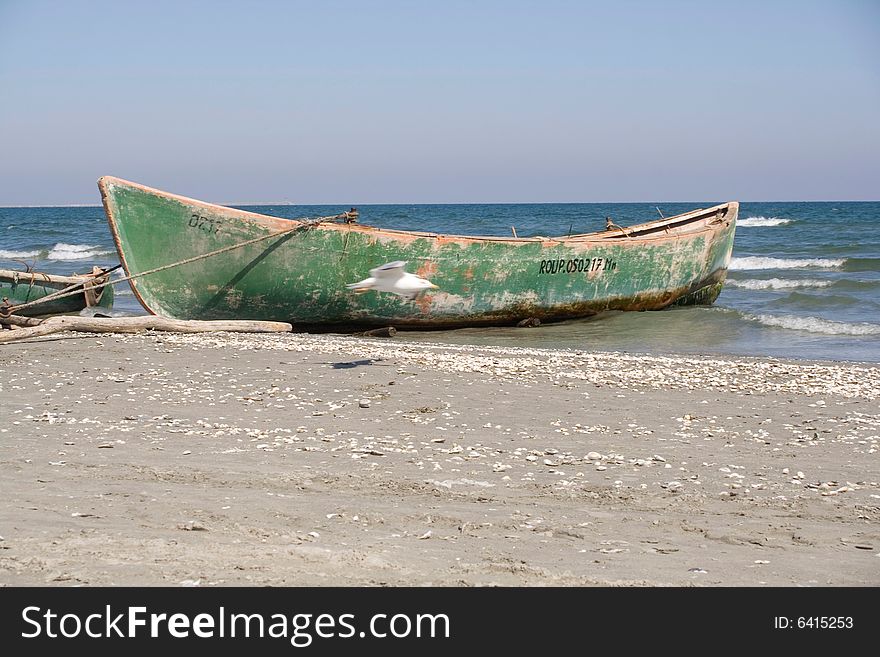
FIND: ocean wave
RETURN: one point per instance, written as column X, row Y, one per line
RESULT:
column 776, row 283
column 62, row 251
column 862, row 264
column 855, row 284
column 18, row 254
column 816, row 325
column 759, row 262
column 763, row 221
column 810, row 300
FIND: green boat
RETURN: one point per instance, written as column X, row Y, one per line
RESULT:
column 196, row 260
column 28, row 287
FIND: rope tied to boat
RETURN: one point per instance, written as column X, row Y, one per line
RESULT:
column 302, row 224
column 610, row 225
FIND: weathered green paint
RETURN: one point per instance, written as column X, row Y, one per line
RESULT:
column 300, row 277
column 23, row 287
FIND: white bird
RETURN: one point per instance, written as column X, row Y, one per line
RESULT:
column 392, row 278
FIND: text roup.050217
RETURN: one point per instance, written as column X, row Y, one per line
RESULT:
column 576, row 265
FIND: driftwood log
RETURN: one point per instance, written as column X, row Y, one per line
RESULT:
column 32, row 328
column 384, row 332
column 14, row 321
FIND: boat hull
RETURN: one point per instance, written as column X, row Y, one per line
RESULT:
column 300, row 276
column 25, row 287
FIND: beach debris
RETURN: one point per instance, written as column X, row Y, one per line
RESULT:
column 192, row 526
column 528, row 322
column 837, row 491
column 613, row 550
column 623, row 371
column 449, row 483
column 392, row 278
column 364, row 403
column 426, row 535
column 384, row 332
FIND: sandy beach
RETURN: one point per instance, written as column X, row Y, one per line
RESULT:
column 295, row 459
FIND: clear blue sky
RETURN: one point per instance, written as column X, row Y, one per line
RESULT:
column 371, row 102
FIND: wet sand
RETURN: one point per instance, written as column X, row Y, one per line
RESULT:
column 322, row 460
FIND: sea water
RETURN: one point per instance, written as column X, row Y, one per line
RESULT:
column 804, row 281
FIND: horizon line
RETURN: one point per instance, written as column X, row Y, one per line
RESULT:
column 288, row 203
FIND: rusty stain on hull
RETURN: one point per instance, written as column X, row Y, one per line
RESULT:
column 300, row 277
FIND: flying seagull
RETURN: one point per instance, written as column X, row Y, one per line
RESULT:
column 391, row 277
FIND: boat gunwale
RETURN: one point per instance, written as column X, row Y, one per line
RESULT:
column 656, row 227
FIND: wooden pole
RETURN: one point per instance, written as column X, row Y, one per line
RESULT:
column 131, row 325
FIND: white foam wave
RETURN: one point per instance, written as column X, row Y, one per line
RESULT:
column 763, row 221
column 758, row 262
column 18, row 254
column 776, row 283
column 817, row 325
column 62, row 251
